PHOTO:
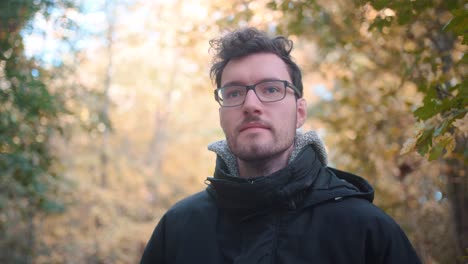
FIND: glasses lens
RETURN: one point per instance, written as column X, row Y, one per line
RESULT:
column 232, row 95
column 270, row 91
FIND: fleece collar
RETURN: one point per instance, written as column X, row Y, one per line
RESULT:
column 282, row 189
column 305, row 181
column 301, row 140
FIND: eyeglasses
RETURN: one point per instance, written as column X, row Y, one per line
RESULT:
column 266, row 91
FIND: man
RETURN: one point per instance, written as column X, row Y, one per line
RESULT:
column 272, row 198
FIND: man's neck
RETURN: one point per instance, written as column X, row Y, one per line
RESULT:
column 257, row 168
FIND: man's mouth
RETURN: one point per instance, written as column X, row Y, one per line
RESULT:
column 252, row 125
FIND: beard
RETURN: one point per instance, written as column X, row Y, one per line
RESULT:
column 256, row 149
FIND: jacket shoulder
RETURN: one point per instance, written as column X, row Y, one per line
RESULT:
column 188, row 218
column 354, row 219
column 198, row 202
column 356, row 209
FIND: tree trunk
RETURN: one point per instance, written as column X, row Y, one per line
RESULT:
column 158, row 140
column 30, row 236
column 105, row 108
column 458, row 195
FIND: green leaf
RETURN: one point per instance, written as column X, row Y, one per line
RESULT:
column 380, row 4
column 464, row 59
column 442, row 128
column 436, row 151
column 424, row 141
column 272, row 5
column 380, row 23
column 426, row 111
column 463, row 89
column 404, row 16
column 449, row 4
column 458, row 23
column 52, row 206
column 433, row 105
column 422, row 149
column 420, row 5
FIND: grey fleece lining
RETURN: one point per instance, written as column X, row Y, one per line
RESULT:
column 301, row 140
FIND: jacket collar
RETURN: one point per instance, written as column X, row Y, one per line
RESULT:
column 306, row 181
column 334, row 185
column 282, row 189
column 301, row 140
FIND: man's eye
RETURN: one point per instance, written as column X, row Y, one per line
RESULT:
column 271, row 89
column 233, row 94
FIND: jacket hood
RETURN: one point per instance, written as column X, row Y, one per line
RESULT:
column 283, row 188
column 305, row 181
column 333, row 184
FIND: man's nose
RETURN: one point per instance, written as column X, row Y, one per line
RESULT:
column 251, row 102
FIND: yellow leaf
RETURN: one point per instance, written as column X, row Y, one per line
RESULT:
column 408, row 146
column 462, row 125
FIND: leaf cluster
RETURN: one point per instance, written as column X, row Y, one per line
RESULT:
column 423, row 42
column 30, row 114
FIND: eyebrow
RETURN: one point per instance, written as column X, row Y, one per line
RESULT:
column 233, row 83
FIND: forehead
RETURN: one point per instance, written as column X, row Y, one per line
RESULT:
column 254, row 68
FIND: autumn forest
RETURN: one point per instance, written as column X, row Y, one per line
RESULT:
column 107, row 108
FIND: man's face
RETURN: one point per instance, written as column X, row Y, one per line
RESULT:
column 254, row 130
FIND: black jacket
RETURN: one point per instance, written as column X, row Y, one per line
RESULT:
column 304, row 213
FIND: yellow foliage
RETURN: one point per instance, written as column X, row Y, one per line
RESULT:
column 462, row 125
column 163, row 116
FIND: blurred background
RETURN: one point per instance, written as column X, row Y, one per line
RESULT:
column 106, row 109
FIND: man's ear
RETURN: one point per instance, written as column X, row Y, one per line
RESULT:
column 301, row 112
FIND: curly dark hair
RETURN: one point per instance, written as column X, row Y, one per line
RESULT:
column 247, row 41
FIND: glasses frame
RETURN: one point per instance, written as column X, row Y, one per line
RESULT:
column 287, row 84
